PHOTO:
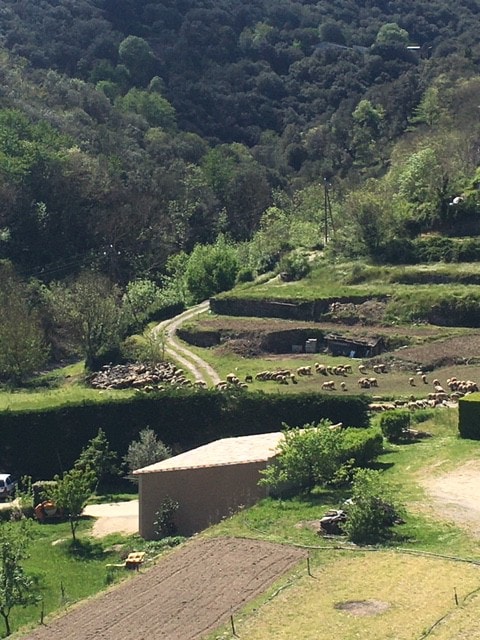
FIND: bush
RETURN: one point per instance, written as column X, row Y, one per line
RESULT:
column 295, row 265
column 361, row 446
column 371, row 511
column 164, row 524
column 316, row 455
column 394, row 424
column 245, row 275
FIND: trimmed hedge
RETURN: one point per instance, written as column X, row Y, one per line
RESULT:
column 43, row 443
column 362, row 446
column 469, row 416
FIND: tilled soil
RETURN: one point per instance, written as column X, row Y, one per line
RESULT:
column 188, row 594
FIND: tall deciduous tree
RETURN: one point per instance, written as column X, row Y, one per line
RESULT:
column 90, row 308
column 22, row 344
column 17, row 589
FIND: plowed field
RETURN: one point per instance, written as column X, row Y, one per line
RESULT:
column 188, row 594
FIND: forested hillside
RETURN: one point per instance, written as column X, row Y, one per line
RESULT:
column 131, row 131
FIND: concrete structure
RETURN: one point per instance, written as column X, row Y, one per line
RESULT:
column 209, row 483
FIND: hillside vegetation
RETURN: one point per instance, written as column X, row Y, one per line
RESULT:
column 152, row 155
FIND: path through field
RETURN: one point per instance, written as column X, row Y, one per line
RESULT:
column 186, row 595
column 198, row 367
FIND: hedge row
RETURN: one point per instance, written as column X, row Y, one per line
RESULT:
column 43, row 443
column 430, row 249
column 469, row 416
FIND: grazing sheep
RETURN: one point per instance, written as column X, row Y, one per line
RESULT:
column 411, row 382
column 362, row 368
column 343, row 386
column 373, row 382
column 364, row 383
column 424, row 378
column 329, row 384
column 248, row 378
column 304, row 371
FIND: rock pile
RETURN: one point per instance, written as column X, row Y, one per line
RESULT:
column 138, row 376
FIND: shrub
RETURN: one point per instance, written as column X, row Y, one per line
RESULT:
column 295, row 265
column 394, row 424
column 164, row 525
column 245, row 275
column 361, row 446
column 371, row 511
column 316, row 455
column 147, row 450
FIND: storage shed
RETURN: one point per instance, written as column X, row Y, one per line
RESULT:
column 209, row 483
column 341, row 346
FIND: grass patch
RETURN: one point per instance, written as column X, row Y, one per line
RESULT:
column 402, row 597
column 66, row 574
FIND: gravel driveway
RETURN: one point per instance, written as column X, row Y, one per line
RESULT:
column 113, row 517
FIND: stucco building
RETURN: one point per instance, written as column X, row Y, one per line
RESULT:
column 209, row 483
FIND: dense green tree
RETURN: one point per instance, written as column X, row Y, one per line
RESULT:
column 157, row 111
column 136, row 54
column 97, row 456
column 391, row 33
column 211, row 269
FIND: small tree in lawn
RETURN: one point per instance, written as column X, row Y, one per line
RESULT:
column 371, row 512
column 17, row 589
column 148, row 449
column 99, row 458
column 71, row 492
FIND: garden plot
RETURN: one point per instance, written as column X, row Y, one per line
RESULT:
column 188, row 594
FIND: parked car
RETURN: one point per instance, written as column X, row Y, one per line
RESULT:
column 7, row 486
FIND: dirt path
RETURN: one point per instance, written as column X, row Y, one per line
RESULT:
column 456, row 495
column 199, row 368
column 171, row 601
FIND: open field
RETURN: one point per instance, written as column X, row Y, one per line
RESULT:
column 374, row 594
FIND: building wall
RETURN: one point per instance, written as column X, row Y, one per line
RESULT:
column 205, row 495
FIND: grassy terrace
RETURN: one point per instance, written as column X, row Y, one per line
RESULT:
column 354, row 279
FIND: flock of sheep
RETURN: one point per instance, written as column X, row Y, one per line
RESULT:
column 338, row 378
column 438, row 396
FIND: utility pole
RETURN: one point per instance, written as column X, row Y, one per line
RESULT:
column 327, row 210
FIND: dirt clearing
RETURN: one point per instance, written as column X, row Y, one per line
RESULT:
column 456, row 496
column 113, row 517
column 188, row 594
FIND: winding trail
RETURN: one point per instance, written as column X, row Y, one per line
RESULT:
column 199, row 368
